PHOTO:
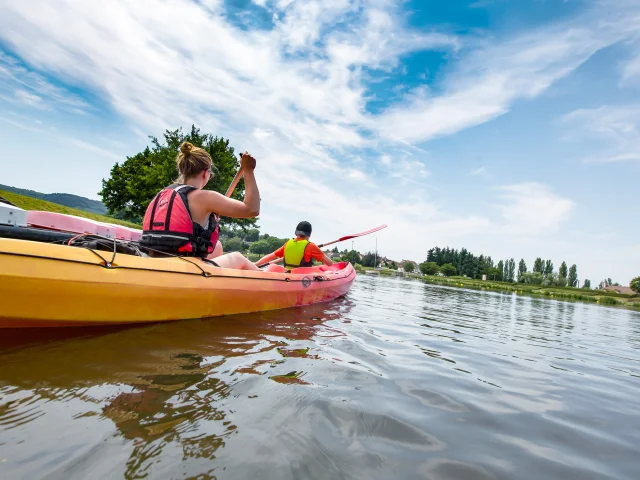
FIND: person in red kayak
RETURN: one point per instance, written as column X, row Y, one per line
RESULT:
column 299, row 251
column 182, row 219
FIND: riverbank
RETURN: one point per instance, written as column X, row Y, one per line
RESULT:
column 600, row 297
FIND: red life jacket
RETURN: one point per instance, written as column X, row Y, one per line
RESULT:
column 169, row 227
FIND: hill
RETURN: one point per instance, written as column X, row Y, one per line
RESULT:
column 30, row 203
column 66, row 199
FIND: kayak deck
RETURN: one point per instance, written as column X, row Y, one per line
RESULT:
column 54, row 285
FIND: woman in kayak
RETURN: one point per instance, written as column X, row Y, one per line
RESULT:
column 299, row 251
column 182, row 219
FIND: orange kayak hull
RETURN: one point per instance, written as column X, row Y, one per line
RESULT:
column 44, row 285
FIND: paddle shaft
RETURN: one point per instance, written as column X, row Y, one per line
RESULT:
column 234, row 182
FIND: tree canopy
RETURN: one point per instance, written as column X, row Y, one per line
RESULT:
column 522, row 269
column 465, row 262
column 353, row 257
column 448, row 270
column 429, row 268
column 635, row 284
column 572, row 280
column 563, row 271
column 134, row 182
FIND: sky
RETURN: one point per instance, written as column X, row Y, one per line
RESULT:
column 507, row 127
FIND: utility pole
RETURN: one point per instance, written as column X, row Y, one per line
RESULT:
column 375, row 258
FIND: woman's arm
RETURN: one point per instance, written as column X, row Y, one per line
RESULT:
column 228, row 207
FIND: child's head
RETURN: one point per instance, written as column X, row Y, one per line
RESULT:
column 303, row 229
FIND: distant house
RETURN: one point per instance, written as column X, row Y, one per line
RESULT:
column 619, row 289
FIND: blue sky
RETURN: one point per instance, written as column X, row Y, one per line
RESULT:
column 507, row 127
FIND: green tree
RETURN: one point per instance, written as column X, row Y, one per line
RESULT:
column 635, row 285
column 522, row 269
column 134, row 182
column 368, row 259
column 275, row 243
column 572, row 279
column 429, row 268
column 394, row 265
column 448, row 270
column 538, row 265
column 587, row 284
column 260, row 247
column 561, row 281
column 533, row 278
column 511, row 270
column 234, row 244
column 501, row 268
column 408, row 267
column 353, row 256
column 495, row 273
column 548, row 267
column 563, row 272
column 252, row 235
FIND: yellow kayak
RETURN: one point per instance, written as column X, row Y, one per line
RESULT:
column 45, row 285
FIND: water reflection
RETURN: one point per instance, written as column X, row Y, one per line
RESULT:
column 161, row 385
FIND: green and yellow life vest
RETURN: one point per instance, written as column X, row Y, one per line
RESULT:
column 294, row 254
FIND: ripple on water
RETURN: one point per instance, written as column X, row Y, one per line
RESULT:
column 398, row 380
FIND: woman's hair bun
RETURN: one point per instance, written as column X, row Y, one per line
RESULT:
column 186, row 147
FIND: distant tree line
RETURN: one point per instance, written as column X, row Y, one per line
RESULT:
column 462, row 262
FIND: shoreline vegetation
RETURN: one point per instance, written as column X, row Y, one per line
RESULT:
column 599, row 297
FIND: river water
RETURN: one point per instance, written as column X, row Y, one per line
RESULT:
column 399, row 380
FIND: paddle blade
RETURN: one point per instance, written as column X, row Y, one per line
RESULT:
column 348, row 237
column 362, row 234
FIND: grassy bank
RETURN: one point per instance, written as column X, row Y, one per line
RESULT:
column 561, row 293
column 30, row 203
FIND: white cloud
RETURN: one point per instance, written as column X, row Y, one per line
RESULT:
column 531, row 209
column 631, row 70
column 262, row 133
column 489, row 80
column 28, row 98
column 615, row 128
column 479, row 171
column 19, row 85
column 385, row 160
